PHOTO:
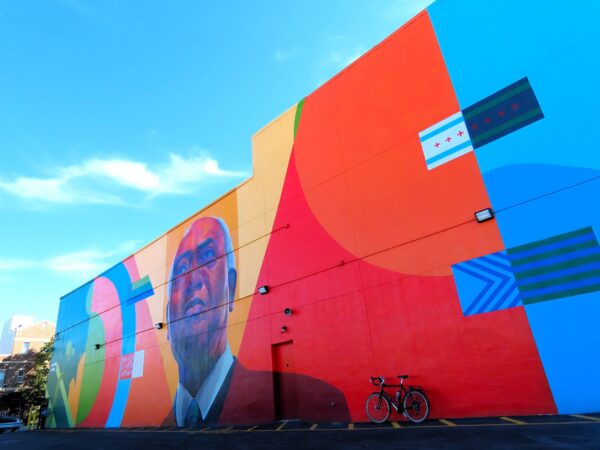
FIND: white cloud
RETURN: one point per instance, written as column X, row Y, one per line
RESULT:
column 82, row 264
column 285, row 55
column 87, row 182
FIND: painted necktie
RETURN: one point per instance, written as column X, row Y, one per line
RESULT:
column 192, row 417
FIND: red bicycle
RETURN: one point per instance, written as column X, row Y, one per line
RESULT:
column 410, row 401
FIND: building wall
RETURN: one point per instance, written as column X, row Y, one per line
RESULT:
column 36, row 335
column 360, row 220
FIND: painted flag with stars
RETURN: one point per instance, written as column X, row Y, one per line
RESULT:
column 445, row 141
column 501, row 113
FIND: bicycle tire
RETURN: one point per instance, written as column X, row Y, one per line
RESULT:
column 378, row 408
column 416, row 406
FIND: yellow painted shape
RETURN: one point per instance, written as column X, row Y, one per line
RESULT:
column 515, row 421
column 75, row 390
column 396, row 425
column 581, row 416
column 447, row 422
column 351, row 426
column 258, row 200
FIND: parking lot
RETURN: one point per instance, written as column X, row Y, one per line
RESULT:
column 530, row 432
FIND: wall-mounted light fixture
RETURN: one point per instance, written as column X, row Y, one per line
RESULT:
column 484, row 214
column 158, row 325
column 97, row 346
column 283, row 329
column 287, row 311
column 263, row 290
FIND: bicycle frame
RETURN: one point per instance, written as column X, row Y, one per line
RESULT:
column 396, row 403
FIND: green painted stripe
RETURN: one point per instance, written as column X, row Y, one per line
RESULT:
column 555, row 252
column 569, row 293
column 495, row 101
column 550, row 240
column 511, row 123
column 560, row 280
column 558, row 266
column 298, row 114
column 140, row 283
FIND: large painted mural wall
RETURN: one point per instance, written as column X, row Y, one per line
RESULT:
column 359, row 219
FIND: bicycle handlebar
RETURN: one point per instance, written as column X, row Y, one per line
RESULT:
column 377, row 381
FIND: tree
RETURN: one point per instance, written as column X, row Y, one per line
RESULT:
column 33, row 390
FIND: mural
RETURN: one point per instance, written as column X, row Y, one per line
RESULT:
column 359, row 221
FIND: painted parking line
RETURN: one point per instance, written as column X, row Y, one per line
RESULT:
column 351, row 426
column 396, row 425
column 581, row 416
column 447, row 422
column 252, row 428
column 511, row 420
column 314, row 426
column 280, row 427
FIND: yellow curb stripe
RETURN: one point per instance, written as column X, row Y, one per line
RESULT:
column 283, row 424
column 581, row 416
column 447, row 422
column 314, row 426
column 515, row 421
column 396, row 425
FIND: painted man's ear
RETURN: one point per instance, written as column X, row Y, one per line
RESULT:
column 232, row 280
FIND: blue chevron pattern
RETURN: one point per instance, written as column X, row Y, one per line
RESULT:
column 486, row 284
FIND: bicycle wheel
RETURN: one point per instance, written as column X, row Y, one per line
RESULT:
column 378, row 408
column 416, row 406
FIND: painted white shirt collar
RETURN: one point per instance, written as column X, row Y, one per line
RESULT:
column 208, row 391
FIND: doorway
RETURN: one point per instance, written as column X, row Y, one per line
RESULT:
column 284, row 381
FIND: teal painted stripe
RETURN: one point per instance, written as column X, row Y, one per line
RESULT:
column 549, row 240
column 562, row 294
column 560, row 280
column 511, row 123
column 555, row 267
column 555, row 252
column 497, row 100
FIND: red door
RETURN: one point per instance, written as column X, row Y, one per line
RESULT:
column 286, row 400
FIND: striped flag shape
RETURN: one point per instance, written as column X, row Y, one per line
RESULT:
column 501, row 113
column 486, row 284
column 557, row 267
column 445, row 141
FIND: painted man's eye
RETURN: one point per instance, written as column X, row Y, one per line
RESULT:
column 181, row 268
column 207, row 256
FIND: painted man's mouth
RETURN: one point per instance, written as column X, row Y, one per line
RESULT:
column 194, row 306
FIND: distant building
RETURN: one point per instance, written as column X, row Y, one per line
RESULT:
column 21, row 334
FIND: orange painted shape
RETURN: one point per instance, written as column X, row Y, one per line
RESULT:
column 362, row 128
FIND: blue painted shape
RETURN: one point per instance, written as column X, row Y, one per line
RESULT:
column 555, row 46
column 486, row 284
column 119, row 276
column 501, row 113
column 568, row 342
column 119, row 403
column 142, row 292
column 546, row 214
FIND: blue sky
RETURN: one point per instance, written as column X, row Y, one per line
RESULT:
column 120, row 119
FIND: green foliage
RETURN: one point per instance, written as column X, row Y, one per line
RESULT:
column 33, row 390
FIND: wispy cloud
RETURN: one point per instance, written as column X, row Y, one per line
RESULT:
column 101, row 180
column 403, row 10
column 82, row 264
column 286, row 55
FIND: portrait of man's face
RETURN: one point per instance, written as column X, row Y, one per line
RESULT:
column 201, row 290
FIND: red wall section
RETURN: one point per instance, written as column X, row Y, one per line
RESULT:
column 358, row 186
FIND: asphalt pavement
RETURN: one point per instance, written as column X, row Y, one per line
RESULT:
column 531, row 432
